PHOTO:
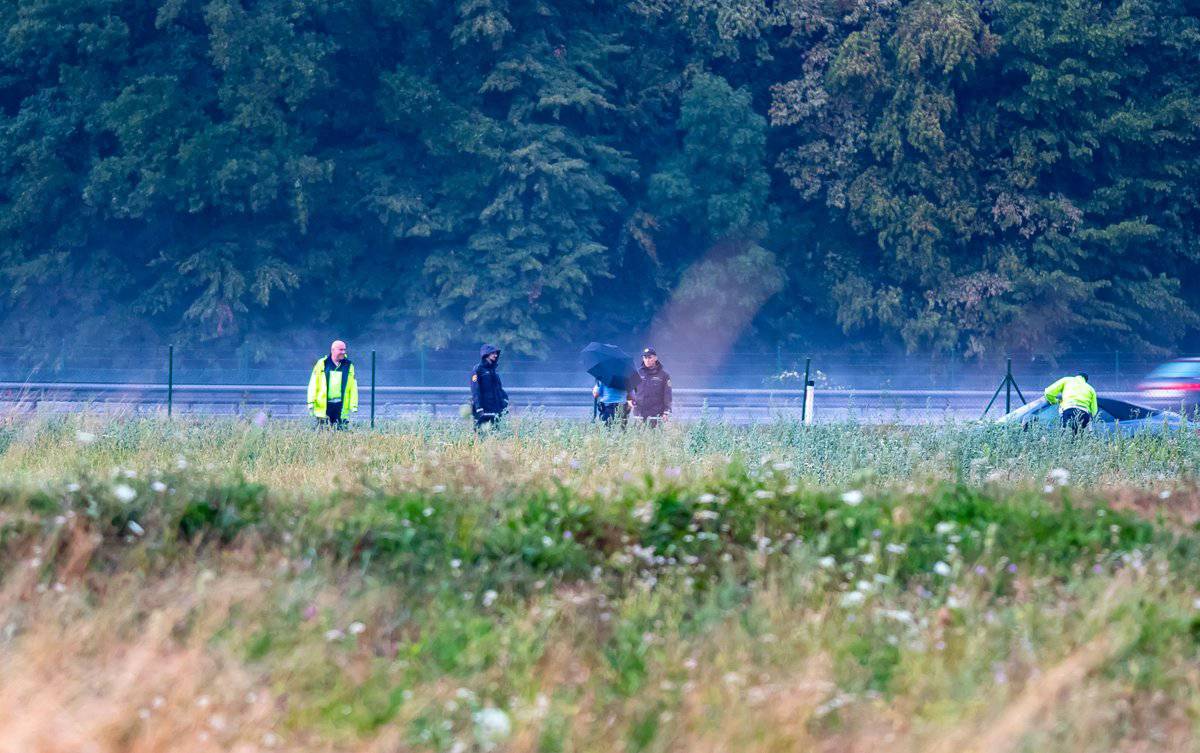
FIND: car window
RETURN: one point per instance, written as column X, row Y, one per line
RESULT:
column 1177, row 369
column 1123, row 411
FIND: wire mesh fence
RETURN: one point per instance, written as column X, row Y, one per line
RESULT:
column 743, row 369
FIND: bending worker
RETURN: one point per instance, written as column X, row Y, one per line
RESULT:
column 332, row 389
column 1076, row 401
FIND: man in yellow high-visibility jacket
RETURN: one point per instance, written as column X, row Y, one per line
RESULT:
column 332, row 389
column 1076, row 401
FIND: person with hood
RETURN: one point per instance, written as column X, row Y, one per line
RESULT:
column 332, row 388
column 489, row 401
column 1076, row 401
column 651, row 398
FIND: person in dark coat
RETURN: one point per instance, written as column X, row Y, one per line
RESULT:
column 489, row 401
column 651, row 398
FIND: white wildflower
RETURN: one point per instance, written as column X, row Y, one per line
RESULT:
column 135, row 529
column 899, row 615
column 356, row 628
column 764, row 494
column 492, row 727
column 158, row 486
column 1048, row 488
column 852, row 497
column 707, row 499
column 941, row 568
column 853, row 599
column 896, row 548
column 124, row 492
column 334, row 635
column 489, row 597
column 944, row 527
column 1059, row 476
column 827, row 562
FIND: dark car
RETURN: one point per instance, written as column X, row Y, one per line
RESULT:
column 1175, row 385
column 1113, row 417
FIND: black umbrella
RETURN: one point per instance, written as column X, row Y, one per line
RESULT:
column 610, row 365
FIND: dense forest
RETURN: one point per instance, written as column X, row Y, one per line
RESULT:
column 951, row 176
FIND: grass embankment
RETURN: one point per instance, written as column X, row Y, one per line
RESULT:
column 218, row 586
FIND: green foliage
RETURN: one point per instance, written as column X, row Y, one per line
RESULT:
column 953, row 176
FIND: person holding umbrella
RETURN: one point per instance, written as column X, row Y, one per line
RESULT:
column 615, row 375
column 612, row 403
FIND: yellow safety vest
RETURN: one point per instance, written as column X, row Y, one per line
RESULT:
column 326, row 383
column 1072, row 392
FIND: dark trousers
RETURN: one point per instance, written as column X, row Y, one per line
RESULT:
column 333, row 414
column 1076, row 419
column 486, row 418
column 610, row 412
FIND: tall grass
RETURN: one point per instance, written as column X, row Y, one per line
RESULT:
column 223, row 586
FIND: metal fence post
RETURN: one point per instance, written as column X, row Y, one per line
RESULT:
column 372, row 389
column 1008, row 383
column 421, row 361
column 170, row 378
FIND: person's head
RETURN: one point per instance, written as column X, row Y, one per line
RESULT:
column 489, row 354
column 337, row 351
column 1082, row 375
column 649, row 358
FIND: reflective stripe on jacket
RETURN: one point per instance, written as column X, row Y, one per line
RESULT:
column 318, row 387
column 1072, row 392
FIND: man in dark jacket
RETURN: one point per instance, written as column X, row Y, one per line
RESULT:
column 488, row 398
column 651, row 398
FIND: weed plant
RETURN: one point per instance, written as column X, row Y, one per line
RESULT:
column 219, row 585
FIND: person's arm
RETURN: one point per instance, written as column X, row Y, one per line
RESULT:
column 503, row 394
column 351, row 396
column 1053, row 393
column 1092, row 403
column 312, row 386
column 475, row 393
column 668, row 396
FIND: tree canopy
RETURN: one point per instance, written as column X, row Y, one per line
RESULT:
column 947, row 175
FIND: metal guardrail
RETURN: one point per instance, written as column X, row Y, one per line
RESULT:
column 288, row 400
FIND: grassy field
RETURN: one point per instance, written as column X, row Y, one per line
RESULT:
column 216, row 585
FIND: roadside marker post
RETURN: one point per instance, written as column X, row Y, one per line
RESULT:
column 806, row 407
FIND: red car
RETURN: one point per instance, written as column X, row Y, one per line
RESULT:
column 1175, row 385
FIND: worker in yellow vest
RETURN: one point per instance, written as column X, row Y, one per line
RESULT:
column 1076, row 401
column 332, row 389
